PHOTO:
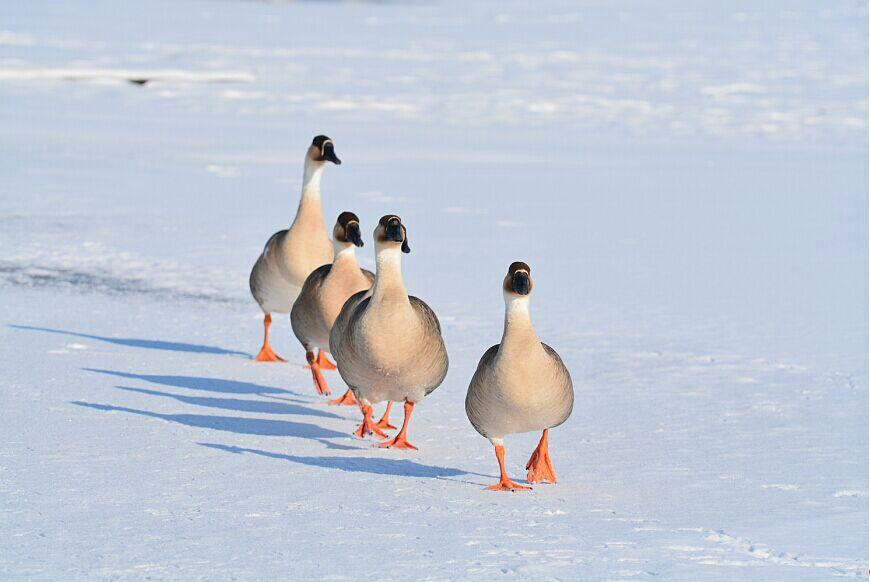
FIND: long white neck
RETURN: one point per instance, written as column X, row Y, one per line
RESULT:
column 311, row 177
column 309, row 202
column 389, row 284
column 345, row 254
column 518, row 329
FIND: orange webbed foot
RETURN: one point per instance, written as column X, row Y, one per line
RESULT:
column 362, row 431
column 398, row 442
column 324, row 361
column 367, row 427
column 346, row 399
column 508, row 485
column 267, row 355
column 384, row 422
column 384, row 425
column 539, row 467
column 504, row 482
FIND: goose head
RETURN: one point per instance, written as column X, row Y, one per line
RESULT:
column 346, row 233
column 391, row 234
column 321, row 151
column 518, row 281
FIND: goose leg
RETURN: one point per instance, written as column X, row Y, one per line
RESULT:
column 346, row 399
column 323, row 361
column 539, row 466
column 384, row 422
column 319, row 381
column 504, row 483
column 367, row 427
column 400, row 441
column 266, row 354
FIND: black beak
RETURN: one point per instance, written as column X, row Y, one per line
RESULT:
column 394, row 230
column 352, row 233
column 521, row 284
column 329, row 154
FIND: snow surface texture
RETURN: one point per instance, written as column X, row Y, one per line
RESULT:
column 688, row 183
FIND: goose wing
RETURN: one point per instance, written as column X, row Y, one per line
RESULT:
column 339, row 330
column 304, row 314
column 563, row 377
column 430, row 320
column 433, row 343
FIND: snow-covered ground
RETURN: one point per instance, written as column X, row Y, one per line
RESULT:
column 688, row 183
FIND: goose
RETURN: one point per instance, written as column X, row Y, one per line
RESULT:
column 387, row 344
column 520, row 385
column 324, row 293
column 290, row 255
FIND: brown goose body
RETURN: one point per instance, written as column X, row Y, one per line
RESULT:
column 519, row 388
column 521, row 384
column 387, row 344
column 287, row 259
column 389, row 352
column 290, row 255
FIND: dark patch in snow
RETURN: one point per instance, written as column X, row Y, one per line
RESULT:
column 36, row 276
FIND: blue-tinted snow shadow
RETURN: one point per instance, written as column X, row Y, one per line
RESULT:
column 374, row 465
column 238, row 425
column 238, row 404
column 200, row 383
column 140, row 343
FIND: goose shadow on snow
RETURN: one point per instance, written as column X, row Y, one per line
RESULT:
column 238, row 404
column 200, row 383
column 374, row 465
column 264, row 427
column 239, row 425
column 140, row 343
